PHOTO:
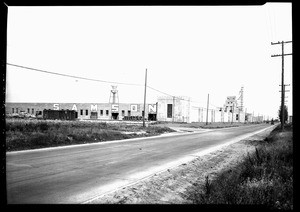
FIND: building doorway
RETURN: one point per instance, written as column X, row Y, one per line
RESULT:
column 94, row 115
column 114, row 116
column 152, row 117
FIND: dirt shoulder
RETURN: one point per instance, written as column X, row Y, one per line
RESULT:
column 171, row 186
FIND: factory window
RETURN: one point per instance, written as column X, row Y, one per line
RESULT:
column 28, row 110
column 107, row 112
column 123, row 112
column 17, row 110
column 101, row 112
column 169, row 111
column 86, row 112
column 129, row 113
column 81, row 112
column 13, row 110
column 32, row 110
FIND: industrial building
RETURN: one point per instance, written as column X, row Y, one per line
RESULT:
column 102, row 111
column 175, row 109
column 170, row 109
column 167, row 108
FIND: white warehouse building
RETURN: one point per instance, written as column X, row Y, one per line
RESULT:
column 182, row 109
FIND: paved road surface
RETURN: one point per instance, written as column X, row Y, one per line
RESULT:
column 79, row 173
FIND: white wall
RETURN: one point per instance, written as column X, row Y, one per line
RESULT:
column 181, row 109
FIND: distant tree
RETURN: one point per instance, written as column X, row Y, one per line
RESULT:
column 285, row 113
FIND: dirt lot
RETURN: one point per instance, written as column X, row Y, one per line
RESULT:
column 171, row 186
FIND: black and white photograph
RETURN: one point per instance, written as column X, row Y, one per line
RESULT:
column 149, row 104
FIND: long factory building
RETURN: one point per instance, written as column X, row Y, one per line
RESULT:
column 179, row 109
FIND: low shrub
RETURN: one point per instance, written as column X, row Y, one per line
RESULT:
column 262, row 178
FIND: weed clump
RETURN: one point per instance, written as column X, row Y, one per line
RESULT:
column 262, row 178
column 31, row 134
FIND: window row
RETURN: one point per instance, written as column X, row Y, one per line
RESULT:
column 17, row 110
column 106, row 112
column 87, row 112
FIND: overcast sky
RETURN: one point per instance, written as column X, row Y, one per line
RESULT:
column 187, row 50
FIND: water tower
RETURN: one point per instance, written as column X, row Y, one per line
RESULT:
column 114, row 97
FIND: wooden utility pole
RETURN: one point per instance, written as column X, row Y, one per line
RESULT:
column 207, row 109
column 282, row 78
column 232, row 113
column 173, row 109
column 145, row 99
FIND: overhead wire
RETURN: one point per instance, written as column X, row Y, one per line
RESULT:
column 112, row 82
column 72, row 76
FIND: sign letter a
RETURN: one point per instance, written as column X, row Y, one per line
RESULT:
column 74, row 107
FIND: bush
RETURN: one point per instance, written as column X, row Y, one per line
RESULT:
column 264, row 178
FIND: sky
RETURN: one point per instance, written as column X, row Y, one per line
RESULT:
column 187, row 50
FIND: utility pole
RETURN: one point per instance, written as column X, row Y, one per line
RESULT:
column 232, row 112
column 282, row 78
column 145, row 99
column 207, row 109
column 173, row 111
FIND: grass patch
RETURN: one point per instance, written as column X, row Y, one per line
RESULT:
column 31, row 134
column 262, row 178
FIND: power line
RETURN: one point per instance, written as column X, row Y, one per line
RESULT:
column 160, row 91
column 111, row 82
column 95, row 80
column 72, row 76
column 169, row 94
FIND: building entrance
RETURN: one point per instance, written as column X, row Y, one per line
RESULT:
column 114, row 116
column 94, row 115
column 152, row 117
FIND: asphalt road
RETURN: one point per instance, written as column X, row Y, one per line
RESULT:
column 78, row 174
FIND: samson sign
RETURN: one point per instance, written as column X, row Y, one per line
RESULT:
column 114, row 108
column 74, row 107
column 152, row 108
column 94, row 108
column 133, row 108
column 55, row 106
